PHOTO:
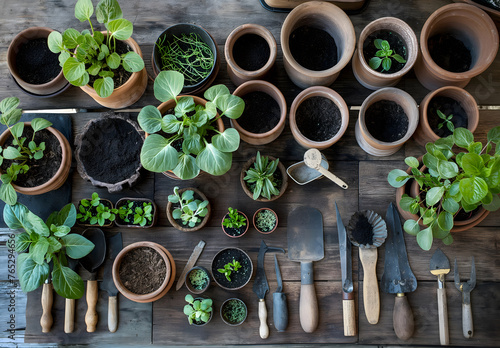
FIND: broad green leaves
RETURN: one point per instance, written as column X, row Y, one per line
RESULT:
column 121, row 29
column 108, row 10
column 77, row 246
column 168, row 85
column 157, row 155
column 104, row 87
column 132, row 62
column 84, row 10
column 214, row 161
column 10, row 113
column 67, row 282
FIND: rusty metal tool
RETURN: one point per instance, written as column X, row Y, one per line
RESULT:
column 465, row 288
column 440, row 267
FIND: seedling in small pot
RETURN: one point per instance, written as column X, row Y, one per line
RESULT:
column 198, row 311
column 189, row 210
column 261, row 179
column 446, row 121
column 384, row 55
column 230, row 268
column 95, row 212
column 234, row 219
column 141, row 215
column 265, row 221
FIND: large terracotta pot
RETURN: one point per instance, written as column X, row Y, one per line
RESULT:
column 185, row 228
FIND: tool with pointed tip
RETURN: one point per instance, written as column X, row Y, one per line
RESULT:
column 115, row 245
column 280, row 310
column 465, row 288
column 69, row 306
column 398, row 277
column 312, row 159
column 190, row 264
column 440, row 267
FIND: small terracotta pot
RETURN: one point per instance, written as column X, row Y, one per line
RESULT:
column 62, row 173
column 247, row 191
column 128, row 93
column 176, row 225
column 374, row 146
column 214, row 269
column 158, row 293
column 424, row 133
column 255, row 220
column 222, row 308
column 469, row 24
column 224, row 228
column 325, row 16
column 190, row 286
column 123, row 201
column 108, row 204
column 239, row 75
column 372, row 79
column 275, row 93
column 325, row 92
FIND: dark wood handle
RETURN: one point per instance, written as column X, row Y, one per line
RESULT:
column 402, row 318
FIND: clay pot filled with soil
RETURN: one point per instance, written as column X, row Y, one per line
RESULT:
column 233, row 311
column 178, row 223
column 449, row 101
column 237, row 279
column 401, row 40
column 250, row 52
column 318, row 40
column 457, row 43
column 387, row 119
column 279, row 176
column 197, row 280
column 265, row 220
column 318, row 117
column 108, row 152
column 234, row 231
column 90, row 214
column 144, row 271
column 136, row 212
column 263, row 119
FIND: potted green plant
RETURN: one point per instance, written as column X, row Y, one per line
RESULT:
column 96, row 211
column 187, row 139
column 197, row 280
column 233, row 311
column 102, row 59
column 265, row 220
column 234, row 223
column 135, row 212
column 188, row 209
column 454, row 182
column 198, row 310
column 232, row 268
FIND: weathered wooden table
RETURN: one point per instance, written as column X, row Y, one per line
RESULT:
column 163, row 322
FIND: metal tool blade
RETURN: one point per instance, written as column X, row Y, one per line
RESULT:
column 439, row 263
column 345, row 254
column 190, row 264
column 280, row 310
column 305, row 234
column 260, row 285
column 115, row 245
column 278, row 275
column 469, row 285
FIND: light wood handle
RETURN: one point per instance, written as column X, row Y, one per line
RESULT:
column 263, row 328
column 444, row 338
column 69, row 315
column 349, row 310
column 332, row 177
column 467, row 327
column 91, row 315
column 47, row 298
column 113, row 313
column 308, row 310
column 402, row 318
column 371, row 296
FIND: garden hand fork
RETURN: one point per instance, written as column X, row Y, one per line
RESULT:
column 465, row 288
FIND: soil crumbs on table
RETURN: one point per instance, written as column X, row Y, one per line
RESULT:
column 142, row 270
column 313, row 48
column 251, row 52
column 449, row 53
column 261, row 114
column 318, row 118
column 447, row 106
column 397, row 46
column 363, row 230
column 35, row 63
column 386, row 121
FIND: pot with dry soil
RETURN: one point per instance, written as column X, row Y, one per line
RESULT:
column 232, row 268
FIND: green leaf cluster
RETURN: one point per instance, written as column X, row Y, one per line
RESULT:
column 265, row 220
column 22, row 149
column 189, row 210
column 446, row 121
column 234, row 311
column 141, row 215
column 383, row 56
column 197, row 310
column 191, row 141
column 229, row 268
column 458, row 181
column 95, row 212
column 260, row 177
column 234, row 219
column 92, row 53
column 44, row 248
column 198, row 278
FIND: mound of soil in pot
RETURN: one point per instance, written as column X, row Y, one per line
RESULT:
column 251, row 52
column 447, row 106
column 261, row 114
column 397, row 46
column 35, row 63
column 386, row 121
column 318, row 118
column 120, row 75
column 313, row 48
column 449, row 53
column 239, row 277
column 235, row 232
column 142, row 270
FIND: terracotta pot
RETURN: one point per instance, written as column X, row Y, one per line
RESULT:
column 128, row 93
column 223, row 308
column 190, row 286
column 108, row 203
column 240, row 235
column 249, row 193
column 183, row 228
column 325, row 92
column 158, row 293
column 62, row 173
column 214, row 268
column 469, row 24
column 237, row 74
column 123, row 201
column 51, row 87
column 372, row 79
column 424, row 133
column 255, row 220
column 275, row 93
column 330, row 18
column 374, row 146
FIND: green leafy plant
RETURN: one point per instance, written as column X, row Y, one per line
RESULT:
column 94, row 212
column 383, row 56
column 234, row 311
column 265, row 220
column 260, row 178
column 446, row 121
column 189, row 210
column 198, row 278
column 453, row 182
column 198, row 311
column 92, row 53
column 235, row 219
column 190, row 141
column 229, row 268
column 48, row 246
column 23, row 152
column 141, row 215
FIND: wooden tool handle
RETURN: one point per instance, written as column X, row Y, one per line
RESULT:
column 349, row 310
column 402, row 318
column 444, row 338
column 371, row 296
column 69, row 315
column 467, row 327
column 308, row 304
column 91, row 315
column 332, row 177
column 113, row 313
column 263, row 328
column 47, row 298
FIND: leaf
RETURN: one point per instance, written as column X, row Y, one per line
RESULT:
column 40, row 123
column 397, row 178
column 157, row 155
column 398, row 58
column 463, row 137
column 386, row 64
column 23, row 241
column 411, row 227
column 424, row 238
column 84, row 10
column 186, row 168
column 67, row 216
column 31, row 221
column 113, row 60
column 494, row 135
column 121, row 28
column 447, row 170
column 168, row 85
column 82, row 81
column 32, row 275
column 61, row 231
column 412, row 162
column 214, row 161
column 39, row 249
column 192, row 144
column 378, row 43
column 108, row 10
column 73, row 69
column 448, row 239
column 184, row 105
column 374, row 63
column 55, row 42
column 450, row 205
column 384, row 44
column 445, row 221
column 214, row 93
column 11, row 153
column 473, row 189
column 10, row 113
column 54, row 245
column 434, row 195
column 67, row 282
column 70, row 38
column 227, row 141
column 150, row 119
column 76, row 245
column 170, row 124
column 132, row 62
column 472, row 164
column 104, row 87
column 176, row 214
column 231, row 106
column 494, row 205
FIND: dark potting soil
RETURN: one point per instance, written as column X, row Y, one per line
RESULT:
column 362, row 231
column 386, row 121
column 313, row 48
column 120, row 75
column 447, row 106
column 142, row 270
column 41, row 170
column 35, row 63
column 110, row 150
column 318, row 118
column 237, row 278
column 261, row 114
column 449, row 53
column 235, row 232
column 462, row 215
column 397, row 46
column 251, row 52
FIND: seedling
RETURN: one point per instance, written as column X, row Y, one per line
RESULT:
column 94, row 212
column 229, row 268
column 261, row 177
column 446, row 121
column 383, row 56
column 198, row 311
column 235, row 219
column 141, row 215
column 190, row 210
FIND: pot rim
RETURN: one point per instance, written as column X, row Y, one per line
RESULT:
column 187, row 283
column 244, row 253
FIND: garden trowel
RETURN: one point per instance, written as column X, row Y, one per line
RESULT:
column 440, row 266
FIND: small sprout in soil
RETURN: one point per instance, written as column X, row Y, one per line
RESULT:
column 189, row 210
column 141, row 215
column 229, row 268
column 265, row 220
column 446, row 121
column 234, row 311
column 94, row 212
column 384, row 55
column 261, row 179
column 198, row 278
column 235, row 219
column 198, row 311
